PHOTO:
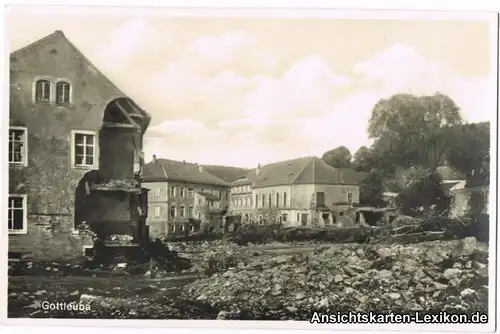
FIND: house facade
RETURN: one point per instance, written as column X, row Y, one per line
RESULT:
column 178, row 194
column 298, row 192
column 242, row 199
column 69, row 132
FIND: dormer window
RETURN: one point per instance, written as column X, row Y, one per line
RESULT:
column 42, row 91
column 62, row 92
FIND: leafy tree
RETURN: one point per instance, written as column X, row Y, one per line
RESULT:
column 403, row 178
column 412, row 130
column 362, row 159
column 338, row 157
column 423, row 196
column 269, row 214
column 371, row 188
column 470, row 153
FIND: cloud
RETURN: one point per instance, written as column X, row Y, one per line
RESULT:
column 134, row 38
column 402, row 68
column 220, row 49
column 219, row 99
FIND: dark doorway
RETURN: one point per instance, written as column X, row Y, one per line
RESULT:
column 303, row 219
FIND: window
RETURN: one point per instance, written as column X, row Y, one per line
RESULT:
column 84, row 149
column 18, row 148
column 182, row 211
column 182, row 228
column 277, row 199
column 157, row 211
column 172, row 211
column 191, row 228
column 284, row 199
column 42, row 91
column 349, row 198
column 263, row 200
column 256, row 201
column 217, row 193
column 172, row 191
column 226, row 195
column 285, row 217
column 199, row 201
column 17, row 221
column 181, row 191
column 190, row 192
column 269, row 199
column 298, row 217
column 172, row 228
column 62, row 92
column 190, row 211
column 158, row 191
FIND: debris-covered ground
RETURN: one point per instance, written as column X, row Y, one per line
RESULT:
column 432, row 276
column 269, row 281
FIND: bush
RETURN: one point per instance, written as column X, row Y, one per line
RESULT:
column 266, row 234
column 220, row 262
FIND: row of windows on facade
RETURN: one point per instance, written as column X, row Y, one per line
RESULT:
column 43, row 90
column 182, row 228
column 172, row 213
column 247, row 202
column 83, row 147
column 241, row 189
column 190, row 192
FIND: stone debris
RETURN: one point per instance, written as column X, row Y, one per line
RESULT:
column 421, row 277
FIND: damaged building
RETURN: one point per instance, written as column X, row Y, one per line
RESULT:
column 75, row 155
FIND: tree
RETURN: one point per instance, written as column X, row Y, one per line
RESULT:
column 362, row 159
column 413, row 130
column 423, row 196
column 371, row 188
column 470, row 153
column 269, row 214
column 338, row 157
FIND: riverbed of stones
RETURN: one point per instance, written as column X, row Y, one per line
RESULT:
column 430, row 276
column 252, row 283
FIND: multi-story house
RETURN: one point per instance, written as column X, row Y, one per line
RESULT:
column 299, row 192
column 179, row 194
column 72, row 133
column 242, row 201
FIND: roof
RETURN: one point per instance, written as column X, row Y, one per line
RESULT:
column 356, row 176
column 171, row 170
column 57, row 36
column 448, row 173
column 307, row 170
column 226, row 173
column 242, row 181
column 448, row 185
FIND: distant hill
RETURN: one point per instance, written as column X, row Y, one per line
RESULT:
column 226, row 173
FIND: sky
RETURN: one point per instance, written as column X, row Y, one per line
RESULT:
column 248, row 90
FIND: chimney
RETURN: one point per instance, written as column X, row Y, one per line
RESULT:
column 257, row 171
column 154, row 158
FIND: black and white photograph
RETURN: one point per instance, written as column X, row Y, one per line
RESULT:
column 312, row 167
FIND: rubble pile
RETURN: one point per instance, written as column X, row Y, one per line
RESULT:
column 404, row 229
column 432, row 276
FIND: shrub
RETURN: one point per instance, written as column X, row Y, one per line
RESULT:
column 266, row 234
column 220, row 262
